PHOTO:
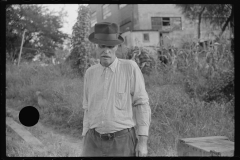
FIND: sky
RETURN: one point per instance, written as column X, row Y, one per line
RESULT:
column 71, row 18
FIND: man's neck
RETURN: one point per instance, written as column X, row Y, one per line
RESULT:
column 107, row 65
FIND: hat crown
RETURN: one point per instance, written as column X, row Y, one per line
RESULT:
column 106, row 33
column 106, row 28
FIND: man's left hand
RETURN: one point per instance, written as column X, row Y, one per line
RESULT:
column 141, row 149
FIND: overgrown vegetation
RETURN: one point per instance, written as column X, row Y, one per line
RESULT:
column 191, row 89
column 81, row 46
column 190, row 96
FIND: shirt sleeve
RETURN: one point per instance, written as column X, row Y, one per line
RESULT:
column 140, row 101
column 85, row 106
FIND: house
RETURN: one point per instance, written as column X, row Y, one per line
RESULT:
column 148, row 24
column 140, row 24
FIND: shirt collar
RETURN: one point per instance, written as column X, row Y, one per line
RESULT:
column 113, row 66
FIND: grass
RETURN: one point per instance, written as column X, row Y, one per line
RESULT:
column 55, row 144
column 177, row 109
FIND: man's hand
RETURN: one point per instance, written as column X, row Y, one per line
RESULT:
column 141, row 149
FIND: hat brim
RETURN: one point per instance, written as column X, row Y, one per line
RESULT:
column 108, row 43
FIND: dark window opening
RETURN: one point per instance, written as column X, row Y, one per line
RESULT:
column 166, row 21
column 145, row 37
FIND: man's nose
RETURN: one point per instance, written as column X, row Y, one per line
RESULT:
column 106, row 50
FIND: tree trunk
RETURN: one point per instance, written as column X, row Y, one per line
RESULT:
column 199, row 22
column 232, row 21
column 232, row 35
column 230, row 18
column 199, row 27
column 19, row 58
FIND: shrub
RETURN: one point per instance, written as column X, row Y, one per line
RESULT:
column 175, row 115
column 81, row 45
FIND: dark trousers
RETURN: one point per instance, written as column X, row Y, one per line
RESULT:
column 124, row 145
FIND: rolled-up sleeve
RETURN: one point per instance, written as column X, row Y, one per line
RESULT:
column 85, row 106
column 142, row 110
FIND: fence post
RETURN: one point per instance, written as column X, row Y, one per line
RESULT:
column 19, row 57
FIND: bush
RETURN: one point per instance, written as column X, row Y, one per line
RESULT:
column 143, row 57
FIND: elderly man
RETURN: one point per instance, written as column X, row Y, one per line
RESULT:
column 115, row 101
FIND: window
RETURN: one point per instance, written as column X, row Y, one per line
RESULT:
column 145, row 37
column 156, row 23
column 106, row 11
column 121, row 5
column 93, row 19
column 166, row 23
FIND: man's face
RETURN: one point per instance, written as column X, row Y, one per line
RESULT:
column 107, row 54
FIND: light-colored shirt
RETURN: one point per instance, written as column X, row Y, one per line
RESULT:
column 115, row 98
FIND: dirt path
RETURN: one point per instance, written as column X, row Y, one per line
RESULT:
column 59, row 144
column 55, row 144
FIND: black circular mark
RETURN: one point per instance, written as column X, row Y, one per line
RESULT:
column 29, row 116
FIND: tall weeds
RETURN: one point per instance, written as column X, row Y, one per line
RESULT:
column 178, row 95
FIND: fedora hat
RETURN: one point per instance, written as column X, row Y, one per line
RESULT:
column 106, row 33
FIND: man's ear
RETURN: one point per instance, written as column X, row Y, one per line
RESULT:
column 115, row 48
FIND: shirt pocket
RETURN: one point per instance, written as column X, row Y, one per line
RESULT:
column 121, row 94
column 120, row 101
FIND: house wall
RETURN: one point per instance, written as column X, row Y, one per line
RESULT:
column 127, row 35
column 123, row 16
column 137, row 38
column 137, row 17
column 98, row 8
column 146, row 11
column 136, row 24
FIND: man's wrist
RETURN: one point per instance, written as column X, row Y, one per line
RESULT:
column 142, row 139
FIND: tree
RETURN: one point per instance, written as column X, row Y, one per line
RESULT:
column 81, row 46
column 42, row 29
column 193, row 12
column 217, row 14
column 222, row 15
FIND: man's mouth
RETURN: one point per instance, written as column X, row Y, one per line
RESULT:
column 105, row 56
